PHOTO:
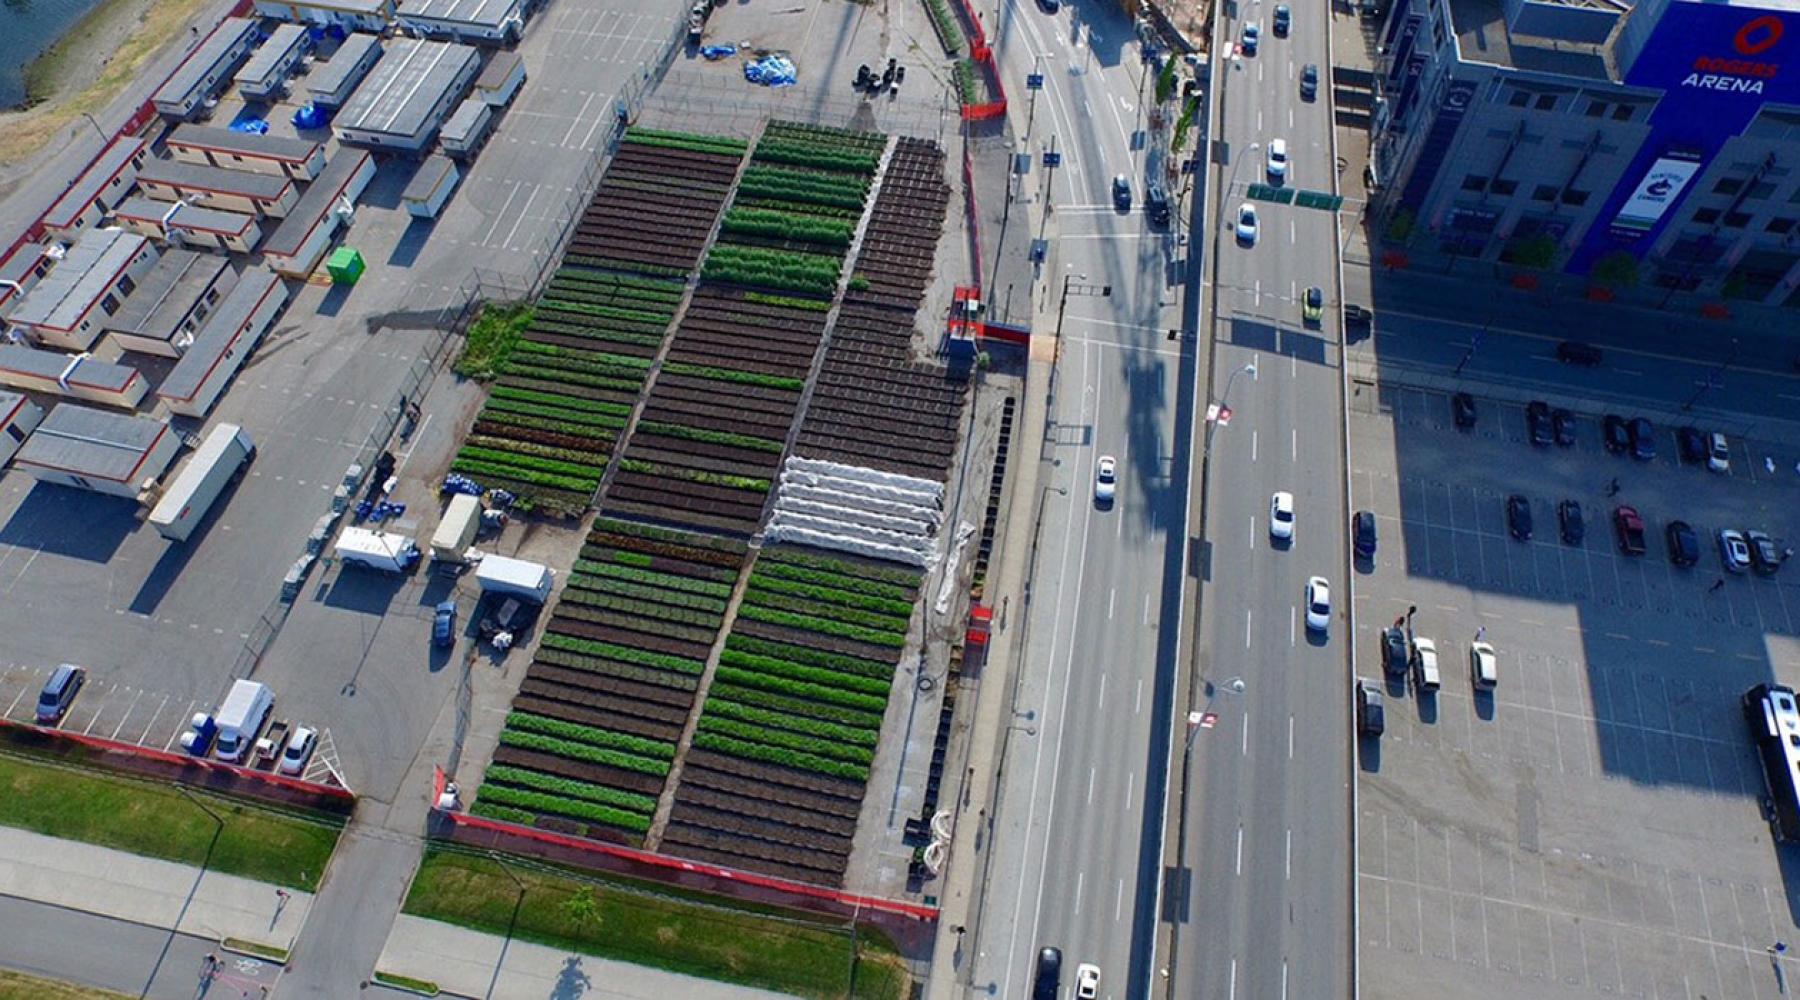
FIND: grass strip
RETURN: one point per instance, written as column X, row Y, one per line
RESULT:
column 422, row 987
column 491, row 339
column 19, row 986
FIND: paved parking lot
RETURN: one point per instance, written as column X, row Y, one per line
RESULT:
column 1591, row 827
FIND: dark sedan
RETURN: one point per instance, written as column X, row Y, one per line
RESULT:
column 1568, row 517
column 1518, row 517
column 1537, row 423
column 1462, row 409
column 1615, row 433
column 1643, row 439
column 1684, row 545
column 1564, row 423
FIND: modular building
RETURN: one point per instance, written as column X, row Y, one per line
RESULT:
column 68, row 306
column 501, row 78
column 113, row 453
column 21, row 271
column 493, row 22
column 216, row 187
column 18, row 417
column 203, row 73
column 264, row 76
column 405, row 100
column 430, row 187
column 330, row 85
column 365, row 15
column 221, row 346
column 301, row 159
column 189, row 225
column 76, row 376
column 467, row 129
column 295, row 248
column 105, row 183
column 171, row 303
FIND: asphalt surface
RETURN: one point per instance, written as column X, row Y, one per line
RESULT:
column 1080, row 808
column 1267, row 822
column 134, row 959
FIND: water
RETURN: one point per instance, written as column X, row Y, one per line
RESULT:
column 28, row 27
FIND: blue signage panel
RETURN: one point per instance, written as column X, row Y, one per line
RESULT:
column 1052, row 159
column 1457, row 98
column 1034, row 81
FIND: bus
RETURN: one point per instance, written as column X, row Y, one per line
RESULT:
column 1774, row 718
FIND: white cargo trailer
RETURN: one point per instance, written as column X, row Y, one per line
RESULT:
column 226, row 450
column 377, row 550
column 502, row 575
column 241, row 717
column 454, row 533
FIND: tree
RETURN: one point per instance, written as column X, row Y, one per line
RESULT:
column 582, row 909
column 1618, row 269
column 1535, row 251
column 1165, row 81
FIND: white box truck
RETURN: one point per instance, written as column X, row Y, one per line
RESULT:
column 502, row 575
column 240, row 718
column 454, row 533
column 213, row 465
column 378, row 550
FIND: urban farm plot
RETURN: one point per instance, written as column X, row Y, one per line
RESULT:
column 594, row 729
column 657, row 204
column 774, row 779
column 895, row 259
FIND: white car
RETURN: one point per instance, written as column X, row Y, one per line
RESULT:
column 1318, row 604
column 1087, row 981
column 1278, row 160
column 1718, row 454
column 1246, row 224
column 1734, row 550
column 1106, row 479
column 1484, row 666
column 1281, row 515
column 299, row 750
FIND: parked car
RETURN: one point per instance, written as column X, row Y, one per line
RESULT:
column 1393, row 650
column 1156, row 204
column 1312, row 306
column 443, row 625
column 1765, row 557
column 1284, row 20
column 1252, row 34
column 1568, row 518
column 1563, row 423
column 1318, row 604
column 1246, row 225
column 299, row 750
column 1518, row 517
column 1484, row 666
column 1425, row 664
column 1684, row 546
column 59, row 693
column 197, row 739
column 1643, row 439
column 1630, row 527
column 1281, row 516
column 1615, row 433
column 1734, row 551
column 1575, row 352
column 1106, row 479
column 1309, row 82
column 1718, row 454
column 1462, row 410
column 1690, row 444
column 1537, row 423
column 1370, row 714
column 1362, row 532
column 1121, row 189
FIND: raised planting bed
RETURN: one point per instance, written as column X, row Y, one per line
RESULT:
column 895, row 260
column 793, row 717
column 594, row 727
column 657, row 204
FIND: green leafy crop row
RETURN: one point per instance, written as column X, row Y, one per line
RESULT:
column 590, row 735
column 720, row 743
column 571, row 789
column 628, row 654
column 583, row 751
column 557, row 805
column 687, row 433
column 825, row 690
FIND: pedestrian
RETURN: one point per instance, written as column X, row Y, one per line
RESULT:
column 1399, row 620
column 1717, row 585
column 1481, row 633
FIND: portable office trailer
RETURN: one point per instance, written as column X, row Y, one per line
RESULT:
column 189, row 225
column 467, row 129
column 68, row 306
column 21, row 271
column 366, row 15
column 404, row 101
column 171, row 302
column 504, row 575
column 18, row 418
column 430, row 187
column 301, row 159
column 297, row 245
column 112, row 453
column 330, row 85
column 77, row 376
column 203, row 73
column 105, row 183
column 218, row 188
column 491, row 22
column 378, row 550
column 501, row 78
column 192, row 492
column 264, row 76
column 221, row 346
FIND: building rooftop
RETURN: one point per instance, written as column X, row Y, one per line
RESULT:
column 191, row 74
column 217, row 336
column 328, row 78
column 321, row 195
column 92, row 181
column 487, row 13
column 1483, row 35
column 167, row 293
column 425, row 180
column 184, row 216
column 372, row 7
column 82, row 370
column 269, row 55
column 200, row 177
column 404, row 87
column 83, row 275
column 92, row 443
column 262, row 147
column 462, row 122
column 499, row 66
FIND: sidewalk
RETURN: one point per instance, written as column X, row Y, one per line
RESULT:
column 147, row 891
column 469, row 963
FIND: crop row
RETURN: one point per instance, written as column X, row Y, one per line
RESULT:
column 755, row 266
column 665, row 471
column 570, row 788
column 683, row 140
column 561, row 729
column 649, row 578
column 602, row 667
column 778, row 225
column 556, row 805
column 607, row 545
column 821, row 155
column 830, row 135
column 627, row 654
column 795, row 185
column 718, row 374
column 621, row 590
column 710, row 436
column 574, row 750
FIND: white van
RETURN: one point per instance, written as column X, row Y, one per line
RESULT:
column 1425, row 664
column 241, row 717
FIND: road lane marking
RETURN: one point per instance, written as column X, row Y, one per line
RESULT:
column 1293, row 230
column 128, row 710
column 1137, row 705
column 1102, row 701
column 1130, row 786
column 1245, row 747
column 1289, row 863
column 1090, row 795
column 1253, row 532
column 1284, row 969
column 1247, row 628
column 1294, row 445
column 1146, row 620
column 1232, row 993
column 1118, row 901
column 1079, row 878
column 1110, row 595
column 1253, row 453
column 1240, row 849
column 1290, row 737
column 1291, row 641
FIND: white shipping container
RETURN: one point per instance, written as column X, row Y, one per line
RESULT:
column 215, row 463
column 454, row 533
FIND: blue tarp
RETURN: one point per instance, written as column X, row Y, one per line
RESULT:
column 252, row 126
column 771, row 71
column 309, row 116
column 718, row 51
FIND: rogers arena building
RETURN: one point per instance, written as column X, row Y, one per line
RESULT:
column 1666, row 130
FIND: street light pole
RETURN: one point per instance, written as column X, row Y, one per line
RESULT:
column 97, row 129
column 1712, row 378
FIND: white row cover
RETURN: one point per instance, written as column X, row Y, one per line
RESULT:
column 852, row 509
column 848, row 498
column 907, row 489
column 798, row 535
column 858, row 515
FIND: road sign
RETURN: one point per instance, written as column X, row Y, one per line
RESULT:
column 1034, row 81
column 1052, row 159
column 1269, row 192
column 1209, row 720
column 1318, row 199
column 1218, row 414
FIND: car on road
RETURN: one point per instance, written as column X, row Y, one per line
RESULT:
column 1629, row 525
column 1568, row 518
column 1277, row 157
column 1518, row 517
column 1684, row 545
column 1734, row 551
column 1246, row 225
column 1087, row 981
column 59, row 693
column 1575, row 352
column 1563, row 423
column 1425, row 664
column 443, row 625
column 1370, row 714
column 1615, row 433
column 1106, row 479
column 1252, row 34
column 1318, row 604
column 1309, row 82
column 1462, row 410
column 1718, row 453
column 1765, row 557
column 1281, row 515
column 1362, row 533
column 1121, row 189
column 1394, row 656
column 299, row 750
column 1048, row 981
column 1690, row 445
column 1156, row 204
column 1284, row 20
column 1312, row 306
column 1484, row 666
column 1537, row 423
column 1643, row 439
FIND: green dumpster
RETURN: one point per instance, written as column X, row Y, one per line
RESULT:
column 345, row 266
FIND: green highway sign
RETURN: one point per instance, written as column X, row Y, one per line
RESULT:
column 1269, row 192
column 1319, row 199
column 1299, row 199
